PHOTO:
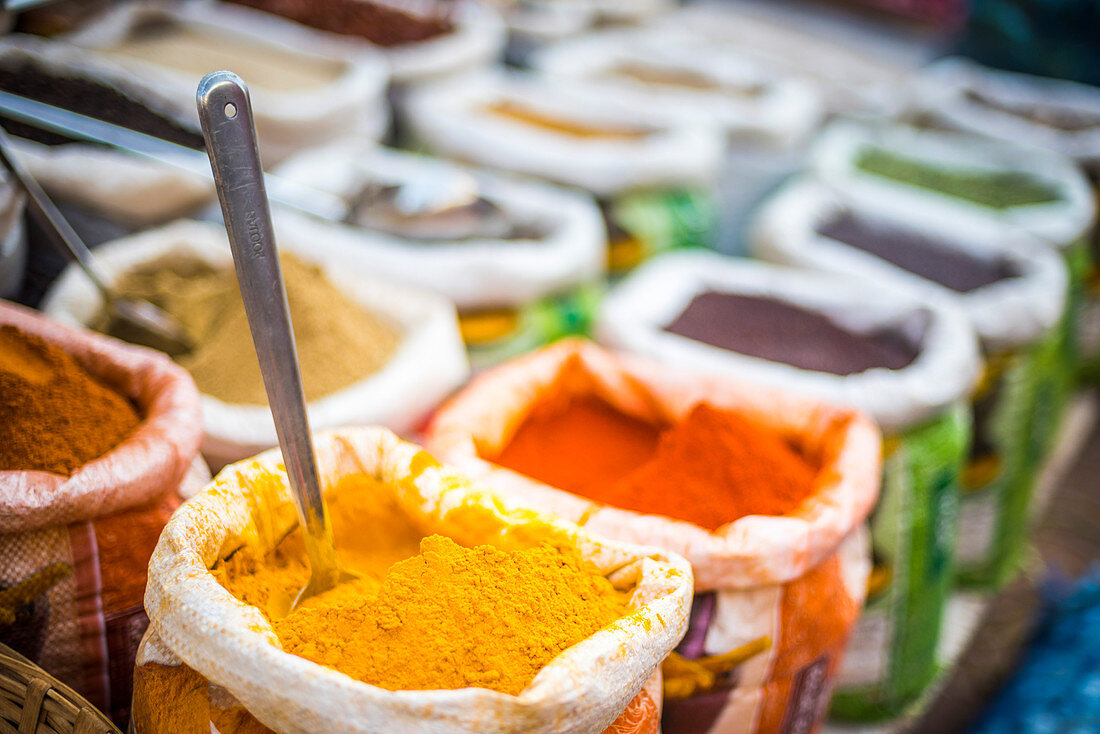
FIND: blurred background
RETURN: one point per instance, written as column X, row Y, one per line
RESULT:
column 540, row 164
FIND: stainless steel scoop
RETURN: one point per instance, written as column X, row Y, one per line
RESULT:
column 132, row 319
column 225, row 112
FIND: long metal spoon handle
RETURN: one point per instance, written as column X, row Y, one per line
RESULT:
column 49, row 218
column 225, row 112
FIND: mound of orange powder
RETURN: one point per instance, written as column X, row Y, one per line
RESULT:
column 710, row 469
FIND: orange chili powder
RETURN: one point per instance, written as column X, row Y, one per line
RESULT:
column 711, row 468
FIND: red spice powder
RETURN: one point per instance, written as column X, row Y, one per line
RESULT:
column 580, row 445
column 710, row 469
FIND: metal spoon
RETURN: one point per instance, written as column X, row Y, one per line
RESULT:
column 225, row 112
column 132, row 319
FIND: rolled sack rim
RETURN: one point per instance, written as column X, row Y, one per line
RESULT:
column 233, row 431
column 148, row 463
column 752, row 551
column 783, row 113
column 207, row 628
column 942, row 90
column 1060, row 223
column 478, row 39
column 1008, row 314
column 944, row 373
column 474, row 273
column 357, row 93
column 449, row 117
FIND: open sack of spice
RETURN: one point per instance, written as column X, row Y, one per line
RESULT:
column 520, row 259
column 652, row 173
column 861, row 74
column 98, row 445
column 420, row 41
column 307, row 88
column 647, row 68
column 1059, row 115
column 767, row 114
column 371, row 351
column 908, row 362
column 1012, row 291
column 469, row 615
column 763, row 492
column 961, row 179
column 126, row 187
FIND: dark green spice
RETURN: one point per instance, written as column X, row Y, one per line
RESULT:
column 993, row 189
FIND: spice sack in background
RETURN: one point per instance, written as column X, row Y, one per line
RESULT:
column 438, row 635
column 371, row 351
column 767, row 116
column 522, row 260
column 306, row 88
column 957, row 178
column 1010, row 288
column 908, row 363
column 653, row 176
column 124, row 187
column 770, row 519
column 428, row 41
column 99, row 445
column 1059, row 115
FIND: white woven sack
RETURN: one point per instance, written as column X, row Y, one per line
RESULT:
column 286, row 121
column 474, row 273
column 476, row 42
column 781, row 111
column 123, row 187
column 542, row 22
column 429, row 362
column 1061, row 223
column 749, row 552
column 582, row 690
column 944, row 92
column 1008, row 314
column 636, row 312
column 630, row 11
column 451, row 118
column 856, row 75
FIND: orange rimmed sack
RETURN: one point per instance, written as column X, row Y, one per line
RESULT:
column 775, row 597
column 83, row 542
column 212, row 661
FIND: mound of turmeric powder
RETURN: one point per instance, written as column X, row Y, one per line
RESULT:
column 454, row 617
column 427, row 613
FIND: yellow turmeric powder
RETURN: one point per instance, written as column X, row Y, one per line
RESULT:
column 427, row 613
column 453, row 617
column 372, row 533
